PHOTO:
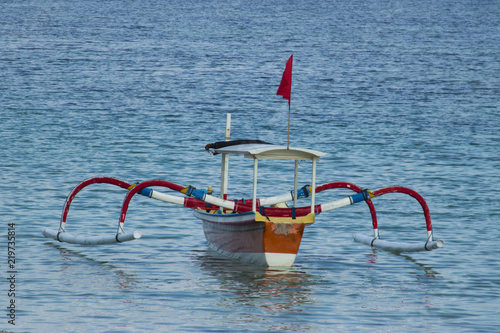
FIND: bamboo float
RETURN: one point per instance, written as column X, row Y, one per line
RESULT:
column 398, row 247
column 66, row 237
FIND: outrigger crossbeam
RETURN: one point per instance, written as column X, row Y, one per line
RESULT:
column 198, row 199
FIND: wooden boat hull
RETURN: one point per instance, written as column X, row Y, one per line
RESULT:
column 263, row 243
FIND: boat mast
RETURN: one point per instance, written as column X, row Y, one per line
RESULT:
column 225, row 162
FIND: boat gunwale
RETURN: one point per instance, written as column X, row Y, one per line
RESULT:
column 234, row 216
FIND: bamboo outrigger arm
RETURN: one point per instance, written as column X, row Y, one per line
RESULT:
column 121, row 236
column 362, row 195
column 198, row 199
column 62, row 236
column 375, row 241
column 398, row 247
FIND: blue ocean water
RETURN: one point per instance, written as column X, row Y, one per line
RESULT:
column 397, row 92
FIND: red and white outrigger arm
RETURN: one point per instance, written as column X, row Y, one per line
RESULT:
column 198, row 199
column 375, row 241
column 62, row 236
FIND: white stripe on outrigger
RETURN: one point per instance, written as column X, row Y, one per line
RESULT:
column 197, row 194
column 219, row 202
column 229, row 204
column 276, row 199
column 336, row 204
column 166, row 197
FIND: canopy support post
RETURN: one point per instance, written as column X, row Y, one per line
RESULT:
column 254, row 197
column 225, row 162
column 313, row 184
column 295, row 183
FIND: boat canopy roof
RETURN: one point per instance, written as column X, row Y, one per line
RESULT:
column 270, row 151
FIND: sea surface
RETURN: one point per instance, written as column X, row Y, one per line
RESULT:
column 396, row 92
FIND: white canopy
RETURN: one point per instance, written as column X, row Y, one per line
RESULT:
column 258, row 151
column 268, row 151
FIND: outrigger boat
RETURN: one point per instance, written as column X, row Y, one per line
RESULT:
column 263, row 231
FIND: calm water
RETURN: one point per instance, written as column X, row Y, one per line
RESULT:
column 396, row 92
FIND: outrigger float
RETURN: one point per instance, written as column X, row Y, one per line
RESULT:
column 262, row 231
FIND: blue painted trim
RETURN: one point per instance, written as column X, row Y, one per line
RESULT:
column 198, row 194
column 146, row 192
column 303, row 192
column 361, row 196
column 358, row 197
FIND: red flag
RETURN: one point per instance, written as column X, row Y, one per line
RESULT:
column 285, row 87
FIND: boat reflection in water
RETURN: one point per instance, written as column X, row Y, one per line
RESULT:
column 276, row 289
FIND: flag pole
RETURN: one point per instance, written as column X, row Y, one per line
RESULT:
column 288, row 138
column 285, row 90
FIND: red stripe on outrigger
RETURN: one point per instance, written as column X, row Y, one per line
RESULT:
column 242, row 206
column 85, row 183
column 412, row 193
column 143, row 185
column 302, row 211
column 356, row 189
